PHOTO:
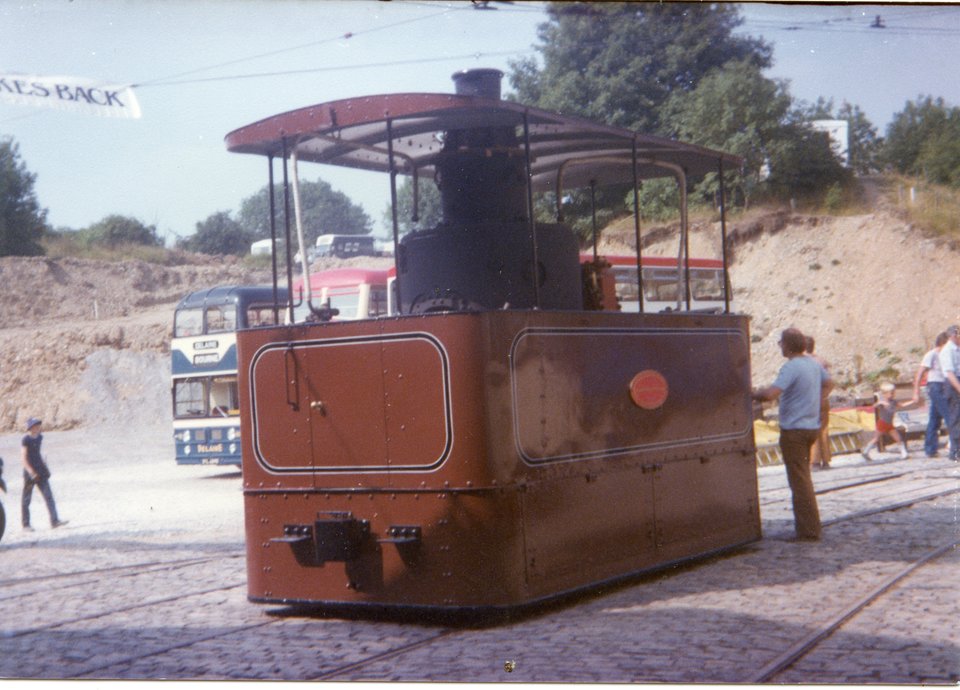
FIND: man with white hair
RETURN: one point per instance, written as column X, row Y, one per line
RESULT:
column 950, row 367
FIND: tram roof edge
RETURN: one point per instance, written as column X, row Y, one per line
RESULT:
column 354, row 133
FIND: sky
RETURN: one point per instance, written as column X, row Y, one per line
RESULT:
column 202, row 68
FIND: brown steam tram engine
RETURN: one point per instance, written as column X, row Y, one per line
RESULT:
column 509, row 436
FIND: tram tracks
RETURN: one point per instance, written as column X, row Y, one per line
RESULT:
column 791, row 651
column 93, row 578
column 827, row 628
column 244, row 626
column 131, row 568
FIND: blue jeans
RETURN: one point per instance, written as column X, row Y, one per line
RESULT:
column 953, row 419
column 44, row 486
column 938, row 412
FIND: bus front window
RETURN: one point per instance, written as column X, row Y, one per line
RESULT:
column 224, row 396
column 378, row 302
column 188, row 322
column 346, row 300
column 660, row 284
column 188, row 398
column 222, row 319
column 706, row 284
column 261, row 315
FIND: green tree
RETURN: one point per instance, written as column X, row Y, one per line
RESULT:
column 219, row 234
column 922, row 140
column 738, row 110
column 429, row 207
column 325, row 211
column 803, row 164
column 22, row 220
column 865, row 144
column 940, row 155
column 115, row 230
column 618, row 63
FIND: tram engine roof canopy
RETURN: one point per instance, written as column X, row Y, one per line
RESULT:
column 565, row 152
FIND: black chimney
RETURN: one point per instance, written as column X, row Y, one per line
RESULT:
column 483, row 82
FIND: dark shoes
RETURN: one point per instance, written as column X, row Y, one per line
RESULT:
column 58, row 523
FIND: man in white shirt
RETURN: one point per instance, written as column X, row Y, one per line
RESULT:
column 950, row 367
column 936, row 395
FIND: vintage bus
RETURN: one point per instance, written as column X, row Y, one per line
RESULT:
column 345, row 246
column 206, row 423
column 664, row 283
column 354, row 292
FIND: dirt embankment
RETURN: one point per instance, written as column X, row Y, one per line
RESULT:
column 873, row 291
column 86, row 342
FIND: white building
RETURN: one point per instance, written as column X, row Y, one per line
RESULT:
column 839, row 133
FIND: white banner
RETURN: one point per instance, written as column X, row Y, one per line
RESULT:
column 70, row 93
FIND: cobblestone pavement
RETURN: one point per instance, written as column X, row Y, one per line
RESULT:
column 150, row 584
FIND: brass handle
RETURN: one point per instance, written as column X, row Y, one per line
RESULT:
column 319, row 406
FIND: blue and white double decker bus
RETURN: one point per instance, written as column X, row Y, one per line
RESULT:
column 206, row 421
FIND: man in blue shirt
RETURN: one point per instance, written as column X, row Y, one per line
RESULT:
column 800, row 386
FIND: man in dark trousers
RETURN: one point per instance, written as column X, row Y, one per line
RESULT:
column 35, row 473
column 801, row 385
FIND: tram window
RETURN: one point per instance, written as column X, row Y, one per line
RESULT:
column 221, row 319
column 224, row 396
column 378, row 302
column 188, row 398
column 188, row 322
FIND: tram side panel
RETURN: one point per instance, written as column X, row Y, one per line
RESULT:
column 490, row 459
column 631, row 436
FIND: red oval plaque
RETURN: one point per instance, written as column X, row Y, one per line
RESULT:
column 649, row 389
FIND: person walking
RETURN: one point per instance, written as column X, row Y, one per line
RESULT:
column 936, row 395
column 800, row 388
column 36, row 473
column 950, row 368
column 820, row 453
column 886, row 410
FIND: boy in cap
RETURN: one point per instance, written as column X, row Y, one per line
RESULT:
column 35, row 473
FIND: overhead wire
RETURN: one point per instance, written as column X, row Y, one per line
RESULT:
column 343, row 68
column 280, row 51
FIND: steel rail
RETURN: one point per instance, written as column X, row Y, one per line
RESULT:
column 803, row 646
column 831, row 489
column 122, row 609
column 388, row 654
column 145, row 567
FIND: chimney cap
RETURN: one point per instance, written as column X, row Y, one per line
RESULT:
column 480, row 81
